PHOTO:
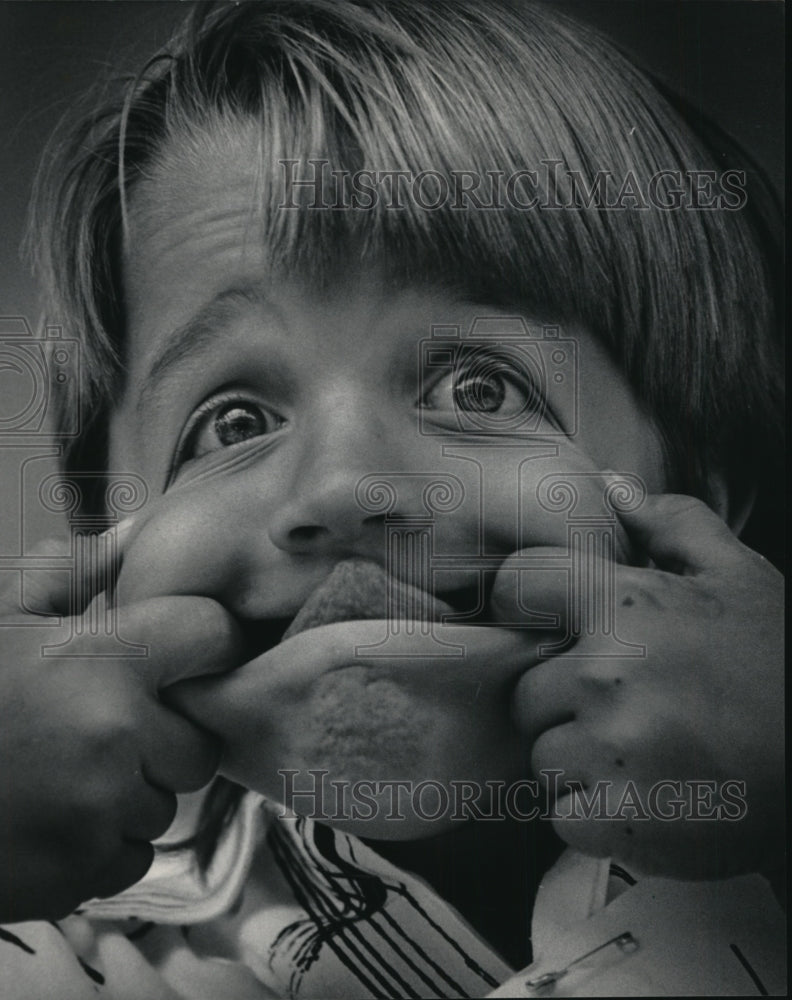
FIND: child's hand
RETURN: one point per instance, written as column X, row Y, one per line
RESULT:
column 91, row 757
column 705, row 704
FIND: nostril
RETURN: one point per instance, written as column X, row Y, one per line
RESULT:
column 306, row 533
column 343, row 531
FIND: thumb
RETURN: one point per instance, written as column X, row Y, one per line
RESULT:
column 41, row 587
column 531, row 588
column 183, row 637
column 65, row 574
column 681, row 534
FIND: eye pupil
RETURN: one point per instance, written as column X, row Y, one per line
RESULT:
column 235, row 423
column 484, row 394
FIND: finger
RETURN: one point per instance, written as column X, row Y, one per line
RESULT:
column 461, row 662
column 42, row 586
column 98, row 561
column 41, row 887
column 531, row 588
column 545, row 697
column 184, row 637
column 183, row 759
column 587, row 819
column 560, row 755
column 563, row 595
column 129, row 865
column 151, row 813
column 681, row 534
column 81, row 567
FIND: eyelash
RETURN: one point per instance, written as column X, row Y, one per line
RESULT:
column 480, row 365
column 469, row 366
column 212, row 407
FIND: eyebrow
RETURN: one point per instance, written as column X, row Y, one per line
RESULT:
column 193, row 338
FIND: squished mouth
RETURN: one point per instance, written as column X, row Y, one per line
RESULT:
column 261, row 636
column 357, row 589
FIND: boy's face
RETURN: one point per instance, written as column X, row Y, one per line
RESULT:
column 254, row 406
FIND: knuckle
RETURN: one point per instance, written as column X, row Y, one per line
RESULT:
column 691, row 514
column 133, row 861
column 634, row 594
column 64, row 904
column 683, row 506
column 197, row 780
column 111, row 758
column 203, row 767
column 155, row 820
column 97, row 805
column 140, row 857
column 678, row 512
column 549, row 751
column 523, row 560
column 218, row 622
column 596, row 837
column 601, row 677
column 113, row 729
column 708, row 603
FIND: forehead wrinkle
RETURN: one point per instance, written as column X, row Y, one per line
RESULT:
column 187, row 188
column 188, row 342
column 203, row 227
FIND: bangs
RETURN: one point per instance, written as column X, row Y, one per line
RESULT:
column 451, row 144
column 513, row 154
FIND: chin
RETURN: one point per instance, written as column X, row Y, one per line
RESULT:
column 385, row 756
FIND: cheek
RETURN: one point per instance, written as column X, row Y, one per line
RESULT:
column 184, row 546
column 499, row 511
column 527, row 495
column 544, row 493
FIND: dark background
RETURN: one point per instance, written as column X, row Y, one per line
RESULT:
column 726, row 56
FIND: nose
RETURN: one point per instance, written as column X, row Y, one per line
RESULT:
column 320, row 511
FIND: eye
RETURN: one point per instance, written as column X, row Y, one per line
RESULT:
column 223, row 422
column 484, row 386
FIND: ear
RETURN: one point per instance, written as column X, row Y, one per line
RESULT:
column 733, row 505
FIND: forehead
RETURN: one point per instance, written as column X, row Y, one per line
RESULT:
column 198, row 199
column 199, row 246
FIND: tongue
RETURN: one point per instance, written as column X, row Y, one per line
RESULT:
column 357, row 589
